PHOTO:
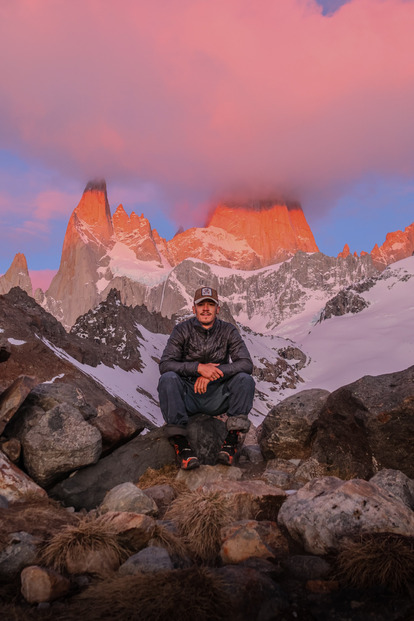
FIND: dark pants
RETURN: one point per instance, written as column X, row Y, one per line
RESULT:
column 233, row 396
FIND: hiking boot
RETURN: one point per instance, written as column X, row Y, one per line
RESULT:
column 229, row 448
column 186, row 457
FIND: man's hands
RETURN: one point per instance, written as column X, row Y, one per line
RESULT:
column 208, row 373
column 200, row 385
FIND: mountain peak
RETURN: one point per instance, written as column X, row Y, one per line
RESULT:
column 96, row 185
column 93, row 209
column 275, row 230
column 16, row 276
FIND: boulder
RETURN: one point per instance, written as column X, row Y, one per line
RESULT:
column 148, row 560
column 367, row 426
column 326, row 511
column 252, row 539
column 206, row 475
column 87, row 487
column 128, row 497
column 134, row 529
column 397, row 483
column 285, row 431
column 115, row 425
column 12, row 448
column 100, row 561
column 21, row 549
column 40, row 584
column 162, row 495
column 14, row 483
column 13, row 397
column 60, row 443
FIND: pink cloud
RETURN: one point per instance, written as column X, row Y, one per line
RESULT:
column 41, row 278
column 208, row 96
column 53, row 203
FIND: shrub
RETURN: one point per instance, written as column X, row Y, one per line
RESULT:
column 90, row 546
column 200, row 517
column 378, row 560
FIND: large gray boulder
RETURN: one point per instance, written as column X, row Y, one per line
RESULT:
column 286, row 429
column 367, row 426
column 87, row 487
column 128, row 497
column 327, row 511
column 60, row 443
column 115, row 423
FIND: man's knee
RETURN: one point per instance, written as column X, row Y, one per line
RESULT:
column 167, row 379
column 242, row 381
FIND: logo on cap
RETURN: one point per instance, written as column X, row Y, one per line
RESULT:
column 206, row 291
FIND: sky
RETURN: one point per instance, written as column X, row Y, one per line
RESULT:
column 178, row 104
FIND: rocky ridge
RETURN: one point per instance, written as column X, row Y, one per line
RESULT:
column 101, row 252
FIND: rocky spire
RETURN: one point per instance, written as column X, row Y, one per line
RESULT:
column 16, row 276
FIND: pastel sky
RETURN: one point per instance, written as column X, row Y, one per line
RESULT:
column 179, row 103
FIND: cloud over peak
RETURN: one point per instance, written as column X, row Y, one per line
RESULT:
column 202, row 97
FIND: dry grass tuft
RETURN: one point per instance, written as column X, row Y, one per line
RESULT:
column 166, row 539
column 378, row 560
column 91, row 538
column 163, row 476
column 184, row 594
column 41, row 517
column 199, row 517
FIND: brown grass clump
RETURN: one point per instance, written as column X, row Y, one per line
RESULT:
column 41, row 517
column 378, row 560
column 182, row 594
column 166, row 539
column 199, row 517
column 163, row 476
column 90, row 546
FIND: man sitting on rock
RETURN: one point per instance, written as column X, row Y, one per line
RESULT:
column 205, row 368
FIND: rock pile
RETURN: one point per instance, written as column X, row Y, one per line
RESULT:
column 126, row 535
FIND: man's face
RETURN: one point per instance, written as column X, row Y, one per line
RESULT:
column 206, row 312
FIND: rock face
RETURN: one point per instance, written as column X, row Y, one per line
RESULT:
column 88, row 237
column 398, row 245
column 16, row 276
column 344, row 302
column 275, row 231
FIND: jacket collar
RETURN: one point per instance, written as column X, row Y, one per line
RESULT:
column 200, row 328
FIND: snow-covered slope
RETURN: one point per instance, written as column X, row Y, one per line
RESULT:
column 377, row 340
